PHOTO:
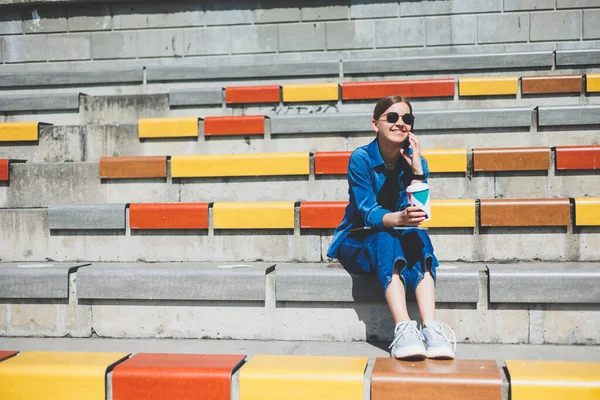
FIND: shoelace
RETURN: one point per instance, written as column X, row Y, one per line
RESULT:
column 446, row 333
column 411, row 332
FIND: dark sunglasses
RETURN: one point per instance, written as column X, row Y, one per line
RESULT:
column 393, row 117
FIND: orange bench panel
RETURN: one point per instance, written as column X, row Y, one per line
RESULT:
column 435, row 379
column 168, row 216
column 525, row 212
column 332, row 162
column 321, row 214
column 511, row 159
column 175, row 376
column 133, row 167
column 6, row 354
column 551, row 84
column 418, row 88
column 235, row 125
column 577, row 157
column 4, row 169
column 252, row 94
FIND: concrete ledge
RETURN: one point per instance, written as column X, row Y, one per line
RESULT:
column 457, row 283
column 174, row 281
column 545, row 283
column 52, row 102
column 87, row 217
column 449, row 63
column 569, row 115
column 196, row 97
column 36, row 280
column 71, row 77
column 577, row 57
column 186, row 73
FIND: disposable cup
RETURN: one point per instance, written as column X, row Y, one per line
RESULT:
column 418, row 196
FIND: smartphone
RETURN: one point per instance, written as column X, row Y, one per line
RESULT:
column 406, row 143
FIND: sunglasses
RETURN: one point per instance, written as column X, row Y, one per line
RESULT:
column 393, row 117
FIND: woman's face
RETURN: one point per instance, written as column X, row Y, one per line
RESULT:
column 394, row 133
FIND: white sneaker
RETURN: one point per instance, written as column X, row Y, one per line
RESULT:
column 408, row 341
column 438, row 338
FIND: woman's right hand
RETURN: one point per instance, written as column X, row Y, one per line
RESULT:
column 411, row 216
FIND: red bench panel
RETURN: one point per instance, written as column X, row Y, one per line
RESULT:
column 577, row 157
column 4, row 169
column 235, row 125
column 321, row 214
column 412, row 89
column 332, row 162
column 169, row 216
column 252, row 94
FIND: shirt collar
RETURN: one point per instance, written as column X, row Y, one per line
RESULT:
column 375, row 154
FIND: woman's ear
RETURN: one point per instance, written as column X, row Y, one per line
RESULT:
column 375, row 128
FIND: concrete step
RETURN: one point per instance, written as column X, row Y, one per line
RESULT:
column 498, row 352
column 30, row 239
column 43, row 184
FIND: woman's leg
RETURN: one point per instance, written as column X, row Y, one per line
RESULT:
column 425, row 294
column 396, row 298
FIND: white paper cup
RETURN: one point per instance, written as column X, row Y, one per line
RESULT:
column 418, row 196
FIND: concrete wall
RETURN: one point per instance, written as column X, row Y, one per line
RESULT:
column 54, row 32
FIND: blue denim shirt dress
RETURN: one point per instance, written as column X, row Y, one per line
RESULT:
column 379, row 249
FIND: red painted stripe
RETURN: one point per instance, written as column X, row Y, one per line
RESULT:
column 4, row 169
column 252, row 94
column 577, row 157
column 4, row 354
column 332, row 162
column 238, row 125
column 412, row 89
column 321, row 214
column 169, row 216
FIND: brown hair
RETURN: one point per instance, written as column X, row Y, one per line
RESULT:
column 387, row 102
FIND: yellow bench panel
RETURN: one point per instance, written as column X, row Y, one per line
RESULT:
column 167, row 127
column 587, row 211
column 446, row 160
column 593, row 82
column 488, row 86
column 253, row 215
column 310, row 92
column 276, row 377
column 451, row 214
column 19, row 131
column 240, row 165
column 554, row 380
column 56, row 376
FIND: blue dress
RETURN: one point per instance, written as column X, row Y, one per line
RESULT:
column 379, row 249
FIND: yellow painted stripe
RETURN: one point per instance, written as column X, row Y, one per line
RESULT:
column 310, row 92
column 587, row 211
column 493, row 85
column 253, row 215
column 446, row 160
column 167, row 127
column 19, row 131
column 240, row 165
column 593, row 82
column 276, row 377
column 451, row 214
column 554, row 380
column 56, row 376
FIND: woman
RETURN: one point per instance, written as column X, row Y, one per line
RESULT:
column 366, row 241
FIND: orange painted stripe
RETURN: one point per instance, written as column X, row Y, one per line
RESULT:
column 7, row 354
column 175, row 376
column 525, row 212
column 4, row 169
column 419, row 88
column 237, row 125
column 321, row 214
column 332, row 162
column 169, row 216
column 577, row 157
column 552, row 84
column 133, row 167
column 252, row 94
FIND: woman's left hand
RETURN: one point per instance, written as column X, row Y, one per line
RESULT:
column 414, row 159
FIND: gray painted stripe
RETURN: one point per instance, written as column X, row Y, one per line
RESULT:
column 171, row 73
column 577, row 57
column 40, row 102
column 425, row 120
column 89, row 216
column 569, row 115
column 449, row 63
column 198, row 97
column 36, row 78
column 28, row 280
